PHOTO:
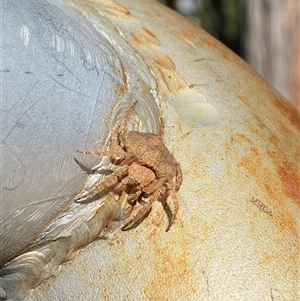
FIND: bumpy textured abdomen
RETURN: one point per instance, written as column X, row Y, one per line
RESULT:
column 151, row 152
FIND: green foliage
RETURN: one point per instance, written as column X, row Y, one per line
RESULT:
column 221, row 18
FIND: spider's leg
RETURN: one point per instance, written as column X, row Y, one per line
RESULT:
column 114, row 155
column 125, row 185
column 93, row 170
column 171, row 213
column 155, row 185
column 114, row 227
column 122, row 128
column 83, row 167
column 108, row 182
column 129, row 160
column 140, row 212
column 133, row 198
column 115, row 152
column 125, row 200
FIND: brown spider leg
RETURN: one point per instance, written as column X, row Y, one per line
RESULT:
column 133, row 191
column 139, row 213
column 83, row 167
column 124, row 185
column 122, row 202
column 115, row 152
column 91, row 171
column 129, row 160
column 112, row 228
column 152, row 187
column 134, row 198
column 108, row 182
column 114, row 155
column 171, row 213
column 125, row 199
column 122, row 128
column 120, row 132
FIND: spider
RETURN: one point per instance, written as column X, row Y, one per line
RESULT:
column 146, row 172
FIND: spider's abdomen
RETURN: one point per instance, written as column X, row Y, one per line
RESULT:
column 150, row 151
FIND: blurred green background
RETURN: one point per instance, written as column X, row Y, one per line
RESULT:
column 221, row 18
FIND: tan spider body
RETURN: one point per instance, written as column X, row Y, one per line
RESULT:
column 146, row 171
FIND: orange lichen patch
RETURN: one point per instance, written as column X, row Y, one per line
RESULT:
column 288, row 176
column 256, row 168
column 286, row 110
column 285, row 223
column 144, row 37
column 113, row 8
column 267, row 120
column 240, row 138
column 273, row 139
column 236, row 139
column 173, row 271
column 273, row 185
column 166, row 70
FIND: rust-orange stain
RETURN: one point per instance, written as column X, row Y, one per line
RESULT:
column 172, row 270
column 120, row 90
column 272, row 184
column 286, row 110
column 144, row 37
column 112, row 8
column 166, row 70
column 288, row 175
column 166, row 259
column 240, row 137
column 256, row 168
column 237, row 138
column 284, row 120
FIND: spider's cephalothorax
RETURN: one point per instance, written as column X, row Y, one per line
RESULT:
column 146, row 171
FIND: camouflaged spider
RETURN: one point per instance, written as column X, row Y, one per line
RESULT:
column 146, row 171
